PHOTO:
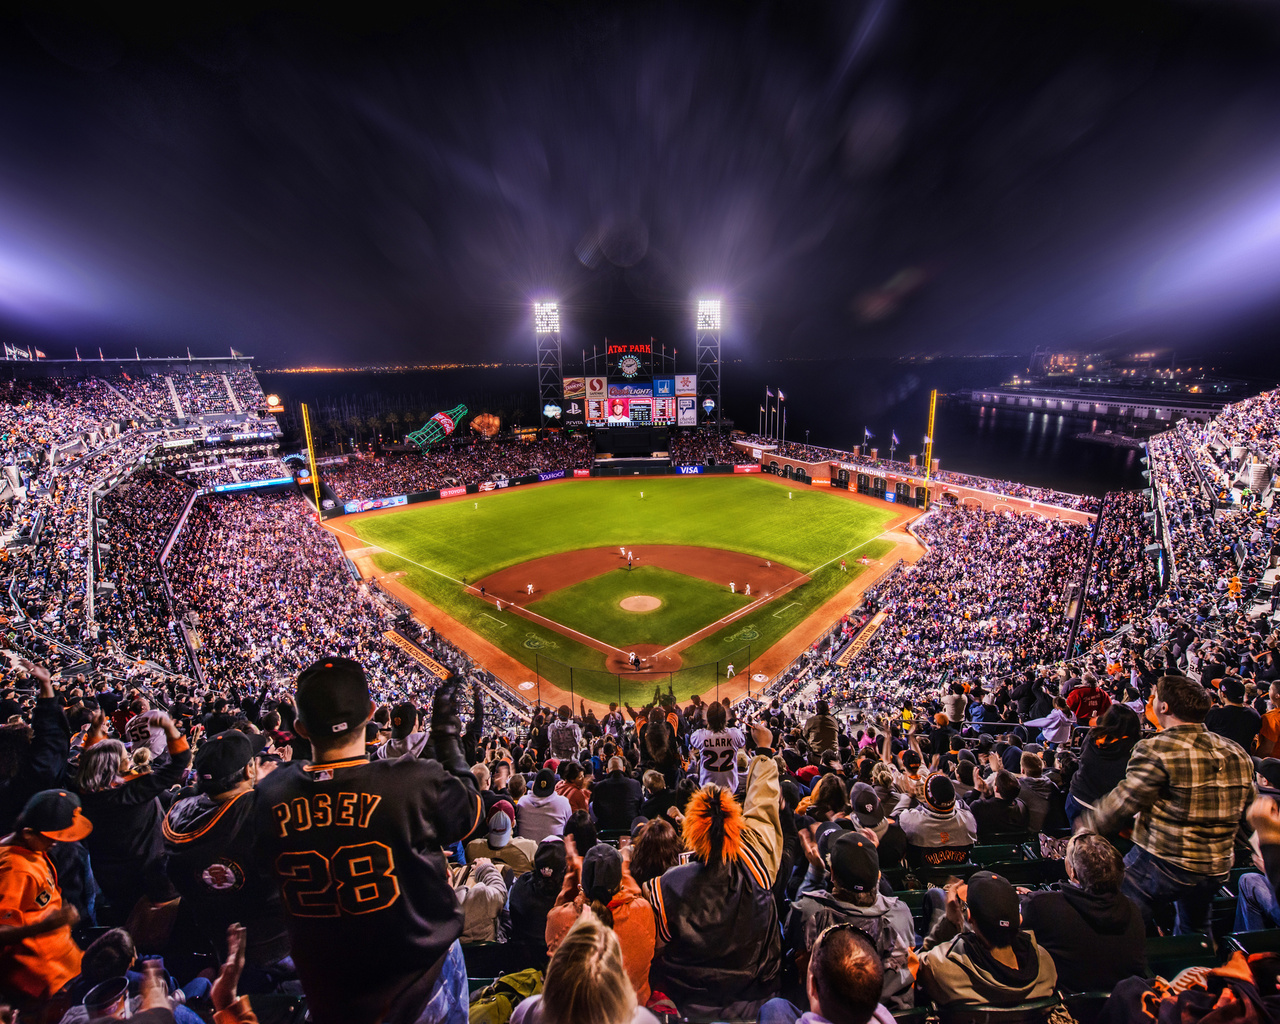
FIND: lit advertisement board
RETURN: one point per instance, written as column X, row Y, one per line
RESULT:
column 664, row 410
column 629, row 389
column 597, row 410
column 370, row 504
column 664, row 387
column 686, row 384
column 687, row 411
column 629, row 360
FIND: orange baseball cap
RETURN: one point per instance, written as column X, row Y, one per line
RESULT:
column 56, row 814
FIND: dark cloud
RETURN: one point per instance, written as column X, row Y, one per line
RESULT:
column 851, row 176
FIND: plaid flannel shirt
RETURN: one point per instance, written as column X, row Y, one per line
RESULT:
column 1189, row 788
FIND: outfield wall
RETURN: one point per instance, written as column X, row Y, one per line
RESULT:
column 395, row 500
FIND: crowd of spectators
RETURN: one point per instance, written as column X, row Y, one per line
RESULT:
column 987, row 599
column 706, row 447
column 1123, row 577
column 1012, row 488
column 339, row 828
column 455, row 463
column 201, row 393
column 133, row 611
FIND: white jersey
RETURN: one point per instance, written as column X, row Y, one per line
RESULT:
column 142, row 731
column 717, row 754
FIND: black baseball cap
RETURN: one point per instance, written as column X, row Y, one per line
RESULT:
column 551, row 858
column 55, row 814
column 601, row 873
column 940, row 793
column 223, row 755
column 1269, row 769
column 866, row 805
column 333, row 697
column 404, row 717
column 855, row 863
column 544, row 782
column 823, row 834
column 910, row 760
column 1233, row 690
column 993, row 906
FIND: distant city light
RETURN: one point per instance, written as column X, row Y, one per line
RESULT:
column 708, row 314
column 546, row 318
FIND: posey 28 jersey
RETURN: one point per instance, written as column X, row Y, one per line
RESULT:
column 718, row 756
column 356, row 847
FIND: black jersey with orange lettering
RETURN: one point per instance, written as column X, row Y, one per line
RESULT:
column 357, row 848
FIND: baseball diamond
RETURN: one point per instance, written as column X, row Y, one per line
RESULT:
column 542, row 574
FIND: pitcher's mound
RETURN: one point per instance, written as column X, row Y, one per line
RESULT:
column 640, row 603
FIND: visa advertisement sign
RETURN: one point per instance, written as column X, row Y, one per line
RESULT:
column 688, row 470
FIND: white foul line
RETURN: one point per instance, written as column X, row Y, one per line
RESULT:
column 557, row 627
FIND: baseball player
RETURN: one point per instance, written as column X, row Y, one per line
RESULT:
column 357, row 848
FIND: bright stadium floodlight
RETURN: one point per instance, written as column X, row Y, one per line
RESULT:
column 546, row 318
column 708, row 314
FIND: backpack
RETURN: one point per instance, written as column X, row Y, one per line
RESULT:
column 833, row 912
column 494, row 1004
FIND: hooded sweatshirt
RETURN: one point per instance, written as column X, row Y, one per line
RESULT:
column 962, row 970
column 540, row 816
column 1096, row 940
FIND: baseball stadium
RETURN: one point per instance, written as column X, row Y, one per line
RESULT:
column 482, row 639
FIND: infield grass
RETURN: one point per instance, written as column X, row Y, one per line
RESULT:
column 593, row 606
column 439, row 545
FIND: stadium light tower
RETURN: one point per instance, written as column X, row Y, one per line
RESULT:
column 546, row 332
column 707, row 347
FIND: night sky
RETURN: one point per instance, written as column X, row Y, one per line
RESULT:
column 851, row 177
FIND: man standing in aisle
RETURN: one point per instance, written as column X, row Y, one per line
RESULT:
column 1188, row 788
column 358, row 850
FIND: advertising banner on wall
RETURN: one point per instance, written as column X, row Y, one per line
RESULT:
column 746, row 469
column 618, row 389
column 664, row 410
column 664, row 387
column 597, row 387
column 574, row 414
column 686, row 383
column 369, row 504
column 687, row 412
column 689, row 470
column 581, row 472
column 575, row 387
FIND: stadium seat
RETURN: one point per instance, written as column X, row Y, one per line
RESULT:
column 1169, row 954
column 1035, row 1012
column 1267, row 941
column 991, row 853
column 1030, row 872
column 1085, row 1006
column 494, row 959
column 279, row 1008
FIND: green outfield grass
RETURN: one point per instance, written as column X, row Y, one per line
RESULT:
column 439, row 545
column 593, row 606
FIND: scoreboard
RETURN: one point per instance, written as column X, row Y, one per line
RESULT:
column 629, row 394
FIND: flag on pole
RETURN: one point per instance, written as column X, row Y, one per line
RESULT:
column 894, row 435
column 781, row 396
column 101, row 357
column 866, row 434
column 234, row 354
column 762, row 408
column 40, row 355
column 77, row 355
column 928, row 439
column 768, row 393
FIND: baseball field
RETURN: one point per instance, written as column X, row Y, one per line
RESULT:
column 605, row 592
